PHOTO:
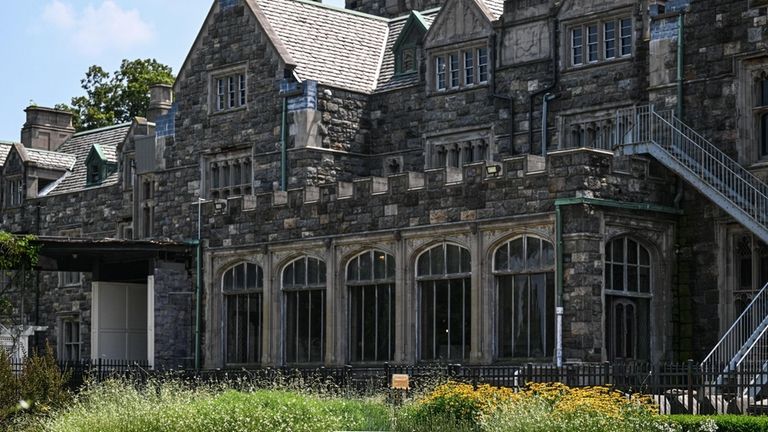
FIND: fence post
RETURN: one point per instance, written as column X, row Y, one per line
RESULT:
column 607, row 374
column 689, row 373
column 528, row 373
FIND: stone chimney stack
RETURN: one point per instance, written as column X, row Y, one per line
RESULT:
column 160, row 101
column 46, row 128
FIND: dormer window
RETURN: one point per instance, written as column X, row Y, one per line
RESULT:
column 98, row 167
column 406, row 61
column 406, row 46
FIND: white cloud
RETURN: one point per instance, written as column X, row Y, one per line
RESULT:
column 96, row 29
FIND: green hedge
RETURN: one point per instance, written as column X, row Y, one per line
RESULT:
column 725, row 423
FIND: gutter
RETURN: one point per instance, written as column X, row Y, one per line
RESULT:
column 559, row 258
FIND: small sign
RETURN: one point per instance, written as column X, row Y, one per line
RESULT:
column 400, row 381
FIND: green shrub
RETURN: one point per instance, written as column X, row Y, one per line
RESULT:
column 42, row 383
column 724, row 423
column 9, row 387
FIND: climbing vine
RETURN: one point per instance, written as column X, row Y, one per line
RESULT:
column 17, row 252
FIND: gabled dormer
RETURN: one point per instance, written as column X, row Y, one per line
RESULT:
column 97, row 166
column 407, row 47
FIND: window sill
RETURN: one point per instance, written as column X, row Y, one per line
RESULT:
column 228, row 111
column 581, row 67
column 440, row 92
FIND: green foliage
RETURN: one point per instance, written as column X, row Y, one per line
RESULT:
column 118, row 97
column 174, row 406
column 724, row 423
column 9, row 388
column 17, row 252
column 43, row 384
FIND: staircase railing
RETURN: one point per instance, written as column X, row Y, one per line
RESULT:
column 744, row 334
column 710, row 164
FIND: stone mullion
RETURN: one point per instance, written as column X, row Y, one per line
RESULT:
column 267, row 354
column 332, row 319
column 477, row 351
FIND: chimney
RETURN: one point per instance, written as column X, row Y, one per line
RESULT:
column 160, row 101
column 46, row 128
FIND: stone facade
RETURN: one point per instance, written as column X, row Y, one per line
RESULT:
column 501, row 124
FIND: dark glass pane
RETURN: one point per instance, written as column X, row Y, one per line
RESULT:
column 352, row 272
column 300, row 272
column 764, row 134
column 454, row 258
column 522, row 305
column 239, row 277
column 618, row 251
column 618, row 277
column 250, row 276
column 379, row 265
column 630, row 336
column 369, row 327
column 437, row 258
column 764, row 93
column 501, row 258
column 550, row 314
column 548, row 254
column 303, row 326
column 516, row 259
column 231, row 320
column 745, row 273
column 456, row 321
column 632, row 282
column 357, row 320
column 316, row 326
column 506, row 302
column 229, row 280
column 288, row 275
column 442, row 315
column 466, row 261
column 291, row 328
column 321, row 271
column 366, row 267
column 467, row 318
column 242, row 328
column 608, row 250
column 423, row 264
column 631, row 252
column 254, row 328
column 427, row 320
column 386, row 322
column 645, row 279
column 312, row 272
column 390, row 266
column 533, row 252
column 643, row 339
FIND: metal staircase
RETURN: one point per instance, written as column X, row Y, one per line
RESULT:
column 740, row 359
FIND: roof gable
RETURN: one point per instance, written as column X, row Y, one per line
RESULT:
column 459, row 21
column 414, row 23
column 95, row 155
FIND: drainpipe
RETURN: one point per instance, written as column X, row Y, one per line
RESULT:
column 544, row 113
column 509, row 98
column 198, row 288
column 679, row 109
column 283, row 147
column 555, row 78
column 559, row 257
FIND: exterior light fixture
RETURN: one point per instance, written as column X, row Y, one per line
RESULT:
column 492, row 170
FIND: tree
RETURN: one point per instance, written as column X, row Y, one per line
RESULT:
column 118, row 97
column 18, row 257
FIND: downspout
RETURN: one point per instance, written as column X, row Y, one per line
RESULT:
column 679, row 109
column 509, row 98
column 552, row 85
column 198, row 290
column 544, row 114
column 559, row 203
column 283, row 147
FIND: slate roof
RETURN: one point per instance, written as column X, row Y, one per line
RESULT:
column 495, row 6
column 387, row 79
column 5, row 148
column 49, row 159
column 331, row 45
column 79, row 145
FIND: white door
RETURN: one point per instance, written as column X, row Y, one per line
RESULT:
column 119, row 321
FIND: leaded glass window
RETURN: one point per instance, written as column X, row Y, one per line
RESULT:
column 371, row 284
column 242, row 286
column 304, row 288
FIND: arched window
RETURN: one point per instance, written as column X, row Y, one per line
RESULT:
column 371, row 284
column 627, row 299
column 525, row 279
column 242, row 286
column 443, row 275
column 304, row 287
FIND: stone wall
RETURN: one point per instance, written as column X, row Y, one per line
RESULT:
column 174, row 315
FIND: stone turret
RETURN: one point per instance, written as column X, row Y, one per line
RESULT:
column 160, row 101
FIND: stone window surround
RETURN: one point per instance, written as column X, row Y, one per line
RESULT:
column 749, row 74
column 615, row 17
column 145, row 207
column 13, row 191
column 215, row 165
column 248, row 292
column 290, row 290
column 68, row 279
column 458, row 50
column 450, row 149
column 238, row 73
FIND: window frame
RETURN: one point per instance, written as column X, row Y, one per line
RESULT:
column 546, row 268
column 292, row 289
column 228, row 90
column 430, row 281
column 760, row 113
column 451, row 68
column 225, row 167
column 355, row 282
column 66, row 342
column 13, row 191
column 246, row 292
column 586, row 48
column 400, row 66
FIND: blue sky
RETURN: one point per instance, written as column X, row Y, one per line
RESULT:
column 49, row 44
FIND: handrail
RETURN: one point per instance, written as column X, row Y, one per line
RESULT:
column 739, row 333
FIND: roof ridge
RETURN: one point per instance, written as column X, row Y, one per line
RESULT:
column 101, row 129
column 342, row 10
column 408, row 14
column 9, row 142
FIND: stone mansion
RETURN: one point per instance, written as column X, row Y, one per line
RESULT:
column 404, row 181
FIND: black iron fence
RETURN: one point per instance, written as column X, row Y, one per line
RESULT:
column 675, row 387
